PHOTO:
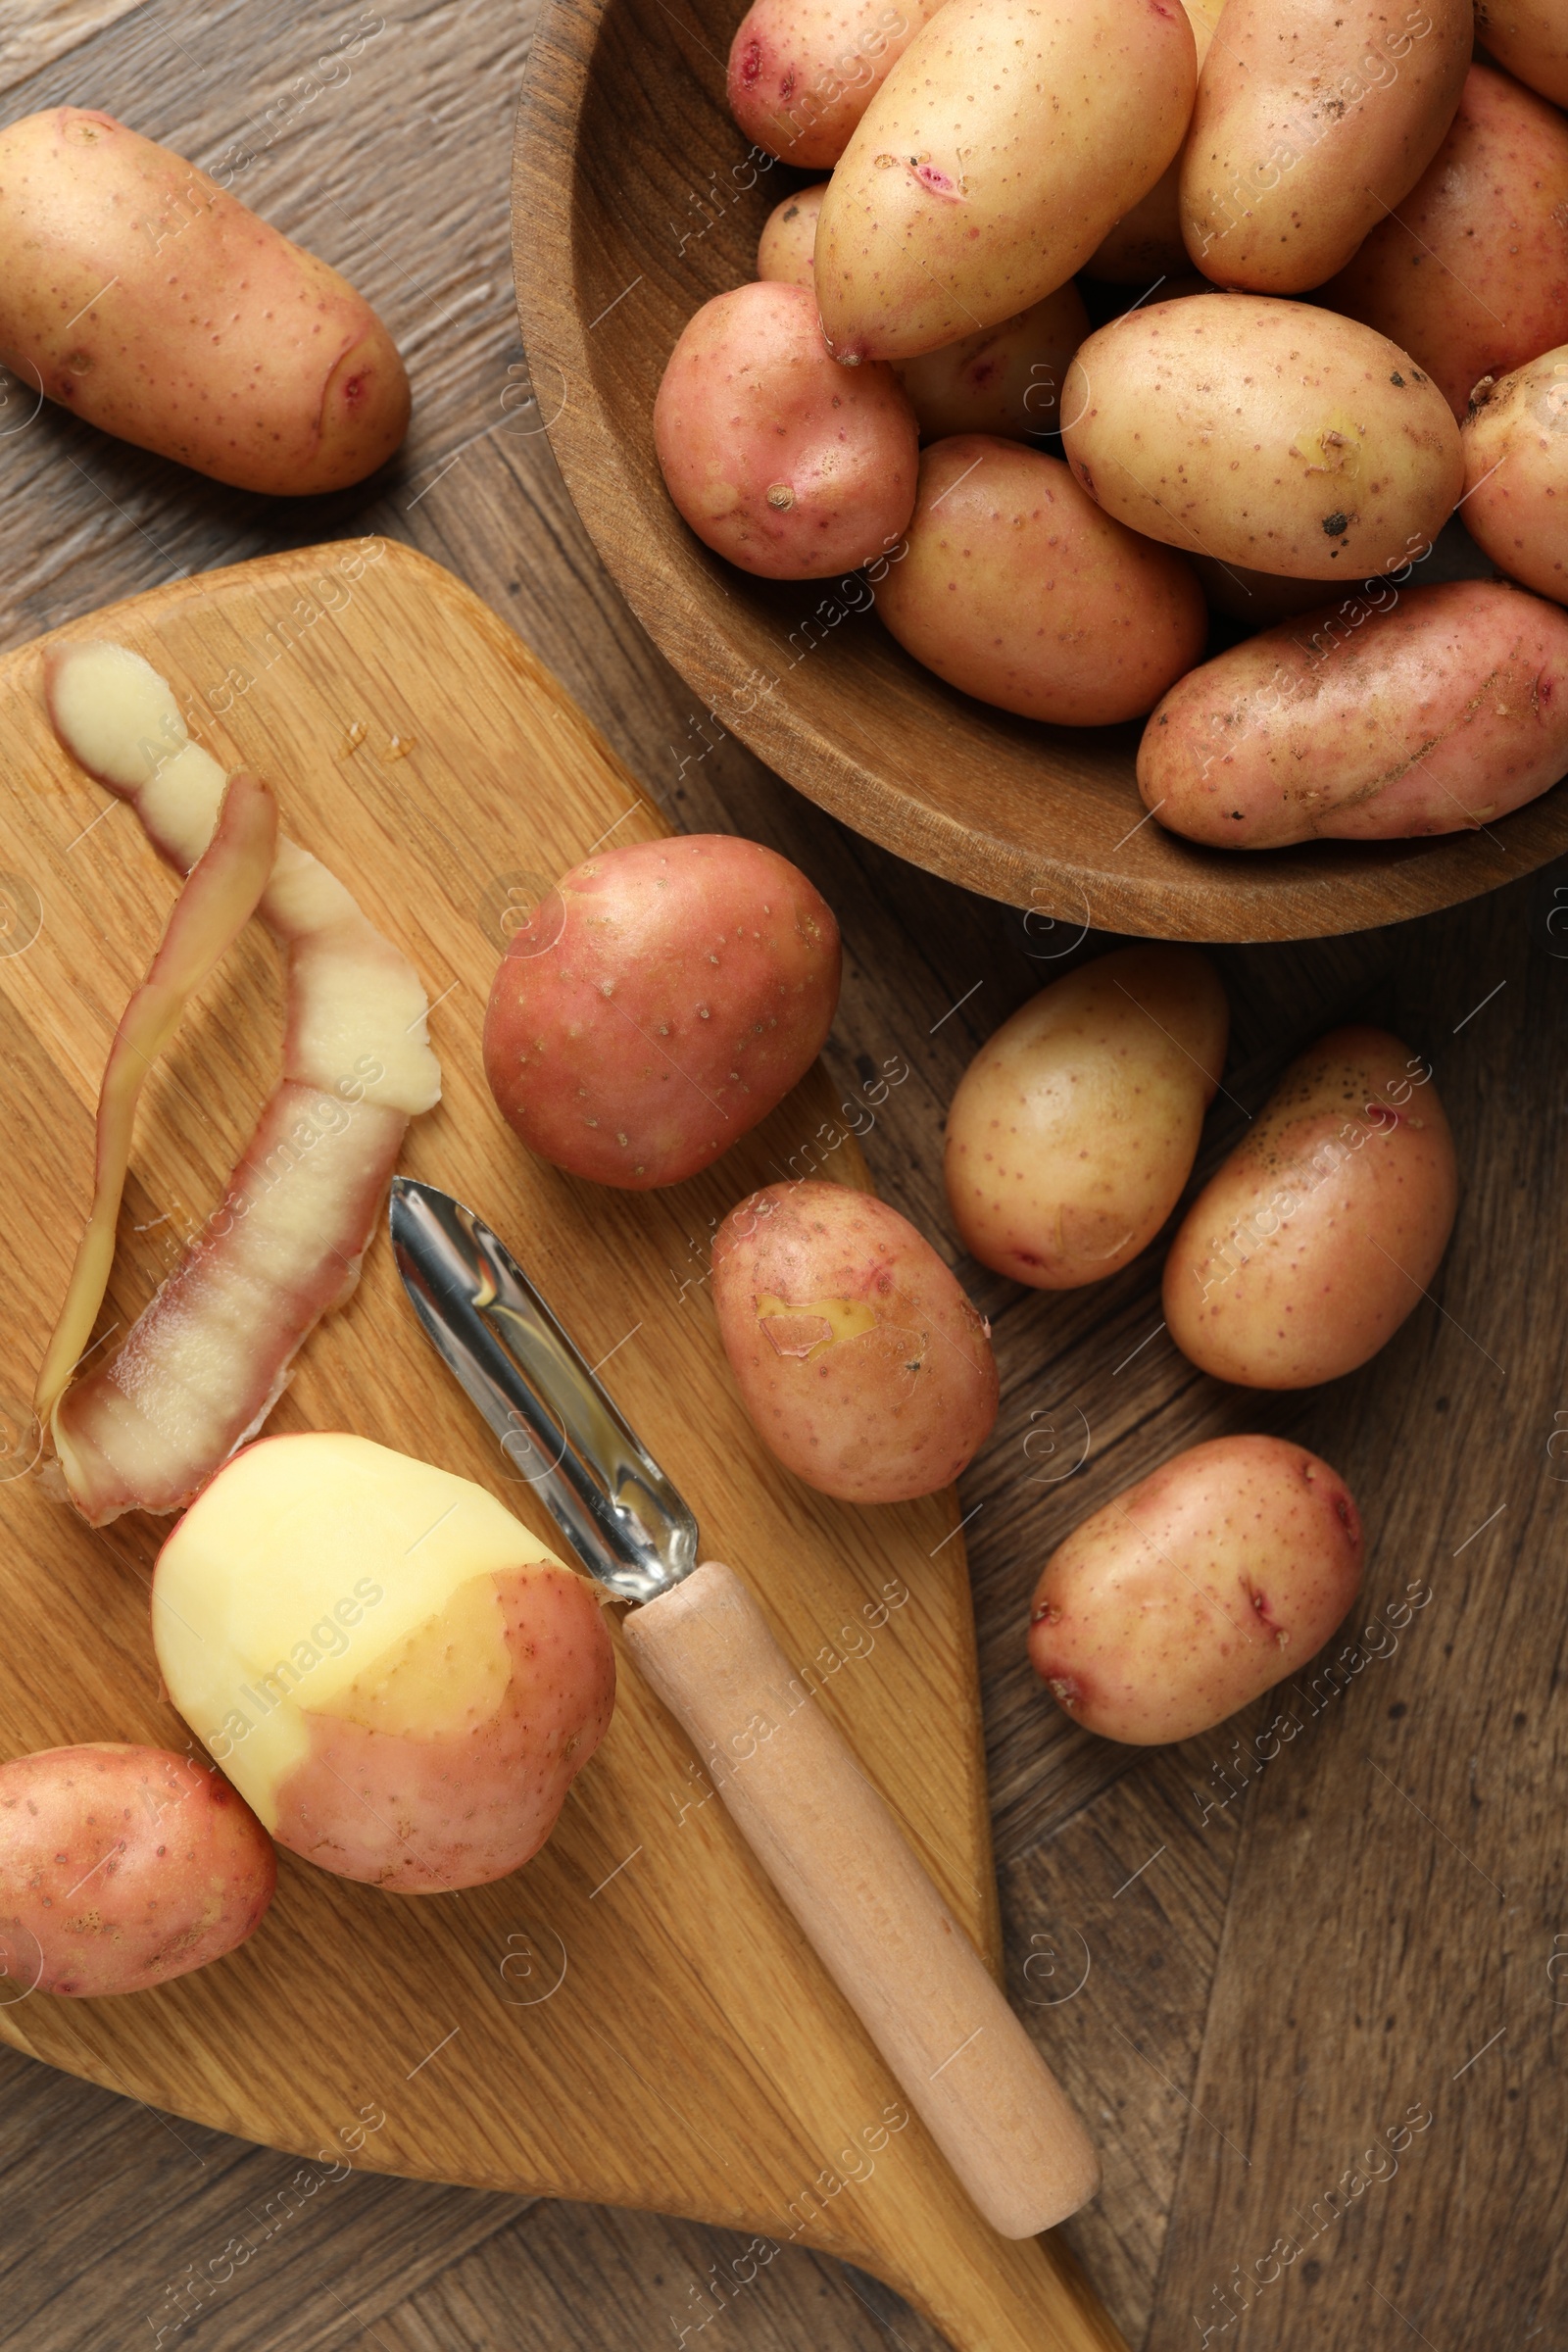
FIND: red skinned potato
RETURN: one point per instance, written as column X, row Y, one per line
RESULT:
column 137, row 293
column 857, row 1357
column 1516, row 473
column 775, row 457
column 657, row 1004
column 1309, row 1247
column 1006, row 380
column 1018, row 590
column 1394, row 714
column 1529, row 39
column 122, row 1867
column 801, row 72
column 1075, row 1127
column 1195, row 1590
column 784, row 248
column 1471, row 278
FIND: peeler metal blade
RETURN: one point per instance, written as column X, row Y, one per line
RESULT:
column 555, row 1424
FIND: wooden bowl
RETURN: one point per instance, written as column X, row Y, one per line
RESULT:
column 635, row 199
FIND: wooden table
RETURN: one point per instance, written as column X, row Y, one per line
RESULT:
column 1246, row 1986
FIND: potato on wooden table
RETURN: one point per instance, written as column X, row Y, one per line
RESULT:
column 787, row 464
column 1006, row 380
column 857, row 1354
column 1195, row 1590
column 1075, row 1127
column 139, row 294
column 1395, row 713
column 1018, row 590
column 801, row 72
column 1516, row 473
column 1471, row 278
column 1306, row 1250
column 123, row 1866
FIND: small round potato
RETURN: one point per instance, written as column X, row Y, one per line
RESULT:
column 1394, row 714
column 1197, row 1589
column 1307, row 1250
column 122, row 1867
column 657, row 1004
column 1075, row 1127
column 1516, row 473
column 801, row 72
column 1006, row 380
column 779, row 460
column 1530, row 37
column 860, row 1359
column 784, row 248
column 159, row 308
column 1471, row 274
column 1018, row 590
column 1266, row 434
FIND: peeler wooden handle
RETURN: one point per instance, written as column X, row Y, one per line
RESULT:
column 847, row 1872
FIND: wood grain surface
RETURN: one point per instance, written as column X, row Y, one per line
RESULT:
column 635, row 200
column 1240, row 1988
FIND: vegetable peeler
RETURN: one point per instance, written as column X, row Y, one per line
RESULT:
column 832, row 1848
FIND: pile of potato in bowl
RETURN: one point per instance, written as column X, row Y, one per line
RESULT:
column 1330, row 251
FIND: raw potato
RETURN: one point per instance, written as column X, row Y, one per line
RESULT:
column 1265, row 433
column 1531, row 38
column 1148, row 240
column 776, row 458
column 1472, row 279
column 1315, row 119
column 658, row 1002
column 1018, row 590
column 1075, row 1127
column 1258, row 599
column 784, row 248
column 1006, row 380
column 1307, row 1250
column 398, row 1676
column 1516, row 473
column 1395, row 713
column 122, row 1867
column 801, row 72
column 158, row 308
column 860, row 1359
column 1198, row 1588
column 964, row 198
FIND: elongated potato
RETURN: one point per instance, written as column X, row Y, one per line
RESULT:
column 1394, row 714
column 1314, row 118
column 1306, row 1252
column 1472, row 278
column 1075, row 1127
column 858, row 1357
column 1006, row 380
column 776, row 458
column 965, row 196
column 1270, row 434
column 1516, row 473
column 1201, row 1585
column 1016, row 589
column 162, row 309
column 789, row 235
column 801, row 72
column 1530, row 37
column 1148, row 240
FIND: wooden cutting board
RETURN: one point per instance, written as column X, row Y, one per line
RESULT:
column 633, row 2017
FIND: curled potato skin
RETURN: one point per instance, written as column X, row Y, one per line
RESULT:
column 1006, row 380
column 123, row 1866
column 1017, row 589
column 801, row 72
column 1472, row 278
column 158, row 308
column 1390, row 715
column 1516, row 473
column 857, row 1357
column 1306, row 1250
column 1313, row 118
column 777, row 458
column 789, row 233
column 1075, row 1127
column 1269, row 434
column 1197, row 1589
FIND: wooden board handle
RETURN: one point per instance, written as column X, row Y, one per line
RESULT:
column 847, row 1872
